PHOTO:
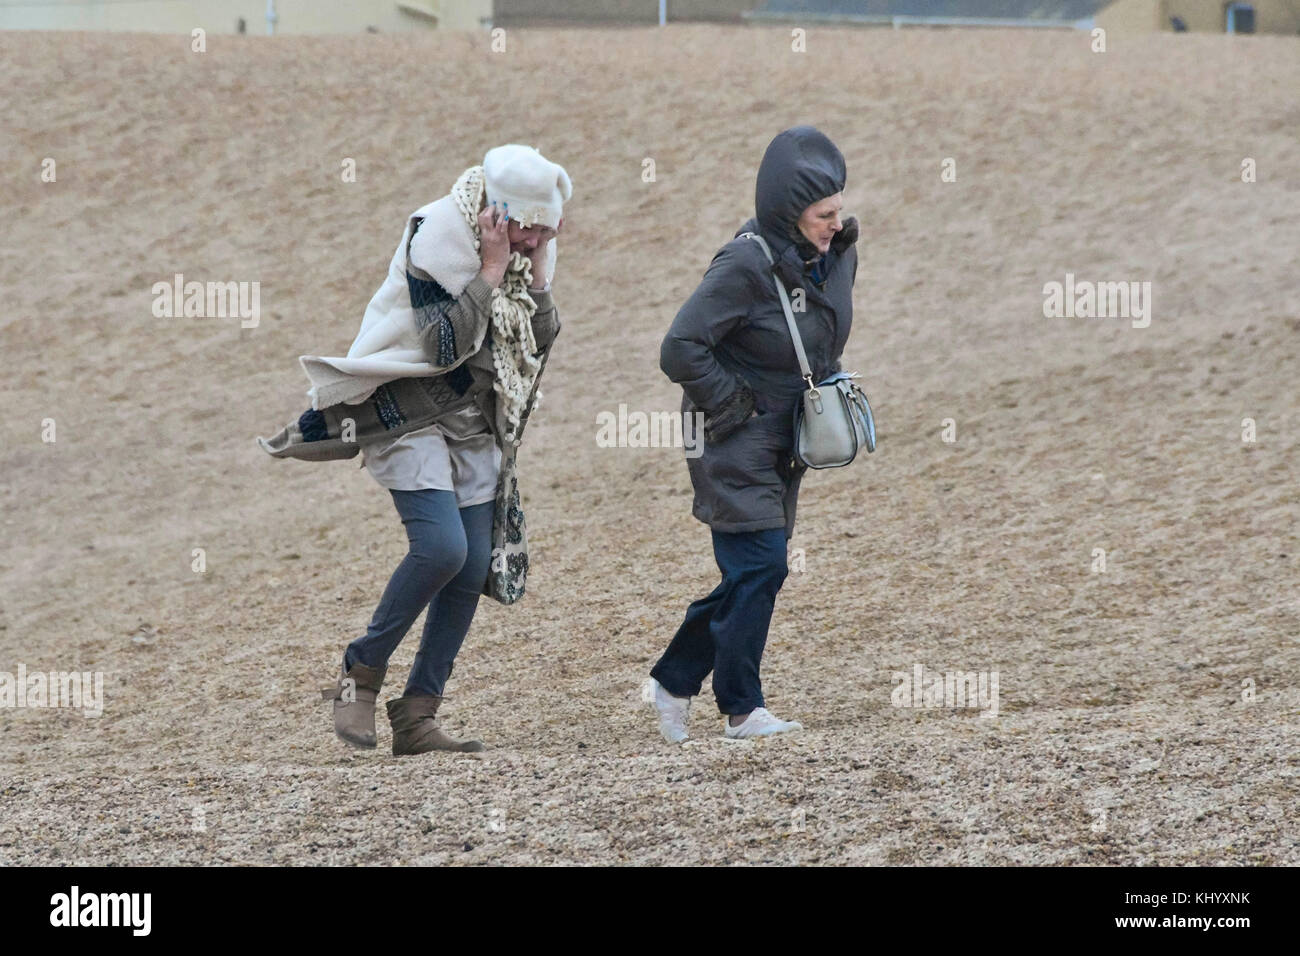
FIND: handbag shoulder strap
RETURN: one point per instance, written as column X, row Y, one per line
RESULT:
column 789, row 313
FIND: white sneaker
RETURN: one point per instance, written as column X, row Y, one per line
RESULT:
column 760, row 723
column 672, row 713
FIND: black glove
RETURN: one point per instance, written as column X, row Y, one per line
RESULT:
column 730, row 414
column 847, row 235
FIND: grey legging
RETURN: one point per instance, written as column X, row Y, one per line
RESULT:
column 444, row 570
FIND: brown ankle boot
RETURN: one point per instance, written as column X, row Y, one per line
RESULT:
column 354, row 703
column 415, row 730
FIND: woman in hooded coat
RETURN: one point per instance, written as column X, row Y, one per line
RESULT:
column 730, row 349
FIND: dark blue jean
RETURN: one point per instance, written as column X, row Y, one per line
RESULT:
column 727, row 631
column 444, row 570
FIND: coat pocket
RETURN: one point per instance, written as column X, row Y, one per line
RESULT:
column 748, row 457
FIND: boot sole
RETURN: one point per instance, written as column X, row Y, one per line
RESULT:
column 440, row 750
column 358, row 744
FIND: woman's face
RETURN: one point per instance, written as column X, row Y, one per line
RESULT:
column 525, row 240
column 821, row 221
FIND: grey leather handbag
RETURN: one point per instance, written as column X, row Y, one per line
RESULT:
column 834, row 420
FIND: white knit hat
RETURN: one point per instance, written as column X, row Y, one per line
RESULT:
column 534, row 187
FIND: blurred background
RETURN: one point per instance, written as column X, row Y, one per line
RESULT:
column 393, row 16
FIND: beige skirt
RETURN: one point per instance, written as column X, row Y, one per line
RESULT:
column 456, row 453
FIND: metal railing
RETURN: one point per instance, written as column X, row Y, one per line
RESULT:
column 898, row 21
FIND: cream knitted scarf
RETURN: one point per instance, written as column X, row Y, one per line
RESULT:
column 512, row 342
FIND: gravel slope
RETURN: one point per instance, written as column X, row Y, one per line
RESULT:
column 1122, row 735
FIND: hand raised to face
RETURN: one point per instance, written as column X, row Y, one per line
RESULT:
column 494, row 243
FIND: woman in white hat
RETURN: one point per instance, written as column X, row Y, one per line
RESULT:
column 462, row 325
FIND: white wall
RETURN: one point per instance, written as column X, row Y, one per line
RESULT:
column 220, row 16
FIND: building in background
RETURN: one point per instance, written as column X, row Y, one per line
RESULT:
column 396, row 16
column 1202, row 16
column 255, row 16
